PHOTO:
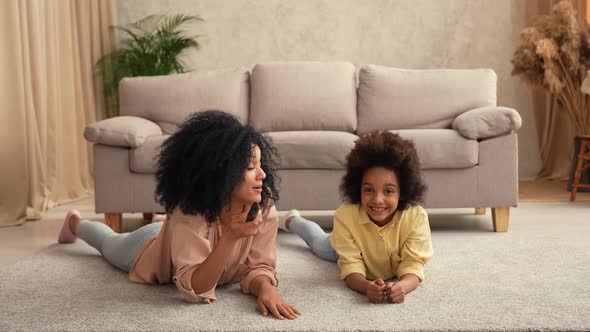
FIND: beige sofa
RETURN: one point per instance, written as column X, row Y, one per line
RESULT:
column 313, row 112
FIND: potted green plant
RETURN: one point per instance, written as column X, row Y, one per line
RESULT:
column 151, row 47
column 555, row 55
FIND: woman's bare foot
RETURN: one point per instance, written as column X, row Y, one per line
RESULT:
column 73, row 221
column 67, row 233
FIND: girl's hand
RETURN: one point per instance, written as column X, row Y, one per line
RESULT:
column 270, row 300
column 376, row 291
column 395, row 292
column 238, row 228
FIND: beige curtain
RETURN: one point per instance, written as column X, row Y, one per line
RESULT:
column 554, row 132
column 49, row 94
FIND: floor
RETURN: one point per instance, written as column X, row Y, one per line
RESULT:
column 533, row 278
column 548, row 191
column 21, row 241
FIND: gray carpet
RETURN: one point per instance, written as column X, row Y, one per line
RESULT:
column 533, row 278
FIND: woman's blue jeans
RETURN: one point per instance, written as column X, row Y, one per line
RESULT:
column 118, row 249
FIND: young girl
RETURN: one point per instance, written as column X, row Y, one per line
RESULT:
column 381, row 232
column 210, row 173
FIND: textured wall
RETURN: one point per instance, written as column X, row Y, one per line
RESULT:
column 399, row 33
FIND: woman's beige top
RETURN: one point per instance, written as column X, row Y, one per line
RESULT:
column 185, row 241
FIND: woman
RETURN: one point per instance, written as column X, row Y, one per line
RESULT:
column 210, row 173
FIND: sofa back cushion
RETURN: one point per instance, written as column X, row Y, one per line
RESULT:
column 392, row 98
column 167, row 100
column 295, row 96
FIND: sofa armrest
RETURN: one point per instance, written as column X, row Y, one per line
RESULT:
column 126, row 131
column 486, row 122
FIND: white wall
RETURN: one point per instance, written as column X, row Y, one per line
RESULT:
column 399, row 33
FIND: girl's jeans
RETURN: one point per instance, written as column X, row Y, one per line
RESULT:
column 317, row 240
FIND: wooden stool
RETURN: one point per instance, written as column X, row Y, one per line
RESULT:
column 582, row 156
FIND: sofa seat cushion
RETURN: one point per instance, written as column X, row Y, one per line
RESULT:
column 442, row 148
column 312, row 149
column 144, row 158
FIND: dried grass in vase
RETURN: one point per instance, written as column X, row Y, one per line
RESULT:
column 555, row 54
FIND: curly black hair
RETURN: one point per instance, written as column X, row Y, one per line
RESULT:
column 390, row 151
column 201, row 164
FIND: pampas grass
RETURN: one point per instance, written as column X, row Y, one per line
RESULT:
column 555, row 55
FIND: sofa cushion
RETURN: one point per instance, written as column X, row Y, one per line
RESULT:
column 312, row 149
column 486, row 122
column 297, row 96
column 167, row 100
column 144, row 158
column 437, row 148
column 391, row 98
column 125, row 131
column 442, row 148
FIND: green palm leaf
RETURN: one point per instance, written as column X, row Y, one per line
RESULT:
column 150, row 46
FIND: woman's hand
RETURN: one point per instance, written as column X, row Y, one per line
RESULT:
column 395, row 292
column 238, row 228
column 269, row 299
column 376, row 291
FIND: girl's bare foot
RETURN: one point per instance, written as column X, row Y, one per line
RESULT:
column 157, row 217
column 286, row 219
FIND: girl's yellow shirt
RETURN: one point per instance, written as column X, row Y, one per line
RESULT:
column 400, row 247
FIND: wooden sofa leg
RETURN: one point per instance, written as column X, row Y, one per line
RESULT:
column 480, row 211
column 500, row 217
column 148, row 215
column 114, row 221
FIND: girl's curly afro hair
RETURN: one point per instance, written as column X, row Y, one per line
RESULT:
column 390, row 151
column 201, row 164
